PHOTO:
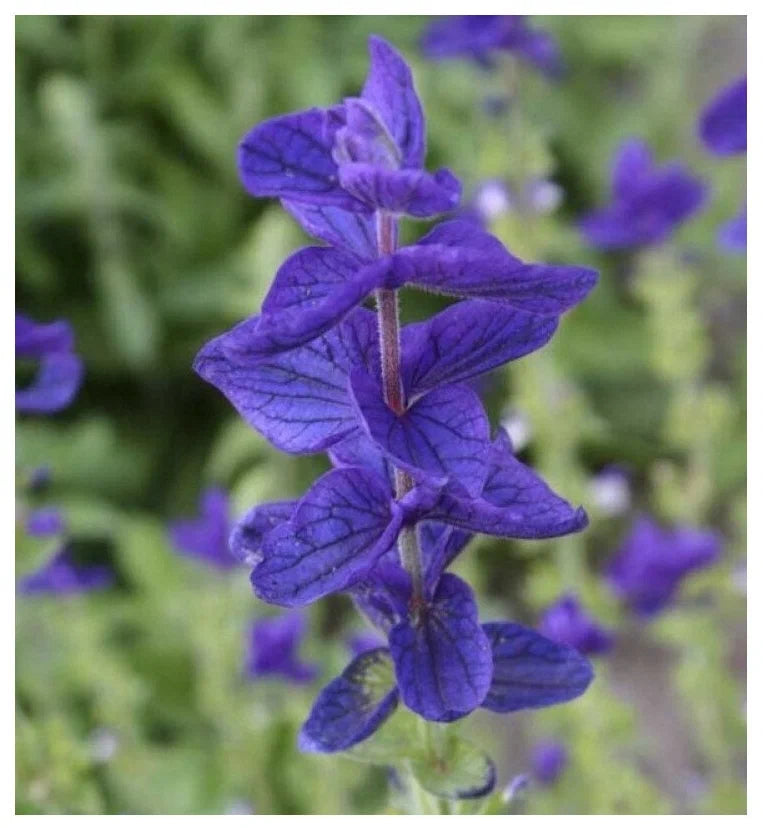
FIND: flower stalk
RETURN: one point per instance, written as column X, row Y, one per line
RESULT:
column 388, row 318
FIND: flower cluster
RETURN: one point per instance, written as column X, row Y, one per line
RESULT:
column 416, row 472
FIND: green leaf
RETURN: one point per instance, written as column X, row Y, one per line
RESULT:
column 459, row 770
column 398, row 739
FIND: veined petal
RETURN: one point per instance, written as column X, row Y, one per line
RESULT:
column 352, row 706
column 414, row 192
column 389, row 88
column 466, row 340
column 531, row 671
column 459, row 258
column 351, row 231
column 440, row 544
column 442, row 656
column 246, row 538
column 515, row 502
column 297, row 399
column 445, row 432
column 313, row 291
column 340, row 528
column 290, row 157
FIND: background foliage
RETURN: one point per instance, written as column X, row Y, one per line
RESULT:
column 131, row 223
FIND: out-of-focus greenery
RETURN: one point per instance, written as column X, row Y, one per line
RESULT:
column 131, row 223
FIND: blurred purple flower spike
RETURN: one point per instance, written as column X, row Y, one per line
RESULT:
column 62, row 575
column 59, row 372
column 648, row 202
column 45, row 522
column 723, row 123
column 549, row 759
column 272, row 649
column 733, row 234
column 206, row 537
column 565, row 621
column 481, row 37
column 652, row 562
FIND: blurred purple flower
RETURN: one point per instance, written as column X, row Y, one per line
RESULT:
column 479, row 37
column 44, row 522
column 59, row 371
column 566, row 622
column 723, row 123
column 733, row 234
column 650, row 565
column 62, row 575
column 549, row 759
column 206, row 537
column 272, row 647
column 648, row 202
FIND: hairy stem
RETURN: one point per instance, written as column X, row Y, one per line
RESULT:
column 388, row 317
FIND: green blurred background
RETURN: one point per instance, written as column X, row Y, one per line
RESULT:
column 131, row 223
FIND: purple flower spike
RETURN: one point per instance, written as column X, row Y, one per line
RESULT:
column 60, row 370
column 272, row 645
column 548, row 760
column 648, row 202
column 733, row 234
column 44, row 522
column 206, row 537
column 415, row 472
column 530, row 671
column 723, row 124
column 62, row 575
column 479, row 37
column 358, row 156
column 650, row 565
column 566, row 622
